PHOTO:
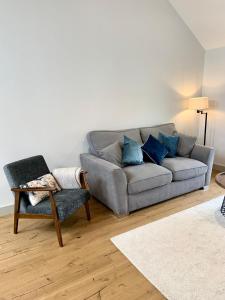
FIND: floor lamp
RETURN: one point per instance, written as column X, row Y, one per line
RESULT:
column 200, row 104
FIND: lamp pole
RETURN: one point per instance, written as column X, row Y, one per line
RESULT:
column 206, row 119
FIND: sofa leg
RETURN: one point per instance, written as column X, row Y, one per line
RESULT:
column 120, row 216
column 205, row 188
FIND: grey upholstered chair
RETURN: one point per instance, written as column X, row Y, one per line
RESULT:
column 57, row 207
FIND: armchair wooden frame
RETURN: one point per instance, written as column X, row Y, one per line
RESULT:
column 54, row 216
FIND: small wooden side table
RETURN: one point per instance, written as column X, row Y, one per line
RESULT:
column 220, row 180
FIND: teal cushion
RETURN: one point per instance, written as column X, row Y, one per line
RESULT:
column 170, row 142
column 132, row 153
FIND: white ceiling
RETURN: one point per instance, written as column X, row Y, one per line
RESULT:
column 205, row 18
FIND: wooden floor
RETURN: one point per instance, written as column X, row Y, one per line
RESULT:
column 32, row 266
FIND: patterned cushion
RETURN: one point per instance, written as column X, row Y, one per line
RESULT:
column 67, row 202
column 44, row 181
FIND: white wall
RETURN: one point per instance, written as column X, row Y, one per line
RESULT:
column 68, row 67
column 205, row 18
column 214, row 88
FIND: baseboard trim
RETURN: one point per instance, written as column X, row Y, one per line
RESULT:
column 220, row 168
column 6, row 210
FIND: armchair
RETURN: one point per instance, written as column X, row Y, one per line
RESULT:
column 57, row 207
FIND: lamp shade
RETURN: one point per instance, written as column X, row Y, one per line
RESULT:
column 199, row 103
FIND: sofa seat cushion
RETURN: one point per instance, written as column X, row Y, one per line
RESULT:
column 67, row 202
column 184, row 168
column 145, row 177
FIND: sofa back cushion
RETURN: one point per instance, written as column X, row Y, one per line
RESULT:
column 168, row 129
column 98, row 140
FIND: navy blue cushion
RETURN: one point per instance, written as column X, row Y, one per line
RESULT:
column 67, row 202
column 170, row 142
column 132, row 153
column 154, row 151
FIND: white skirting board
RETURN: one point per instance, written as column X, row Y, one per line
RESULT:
column 220, row 168
column 6, row 210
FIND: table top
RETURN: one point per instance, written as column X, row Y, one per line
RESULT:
column 220, row 179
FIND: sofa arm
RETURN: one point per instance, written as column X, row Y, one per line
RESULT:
column 107, row 182
column 206, row 155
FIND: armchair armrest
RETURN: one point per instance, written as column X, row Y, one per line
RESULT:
column 17, row 192
column 107, row 182
column 83, row 180
column 206, row 155
column 33, row 189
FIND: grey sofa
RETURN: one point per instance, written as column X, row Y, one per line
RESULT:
column 127, row 189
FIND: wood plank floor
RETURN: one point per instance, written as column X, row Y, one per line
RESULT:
column 32, row 266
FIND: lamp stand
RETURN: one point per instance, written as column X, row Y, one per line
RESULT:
column 206, row 118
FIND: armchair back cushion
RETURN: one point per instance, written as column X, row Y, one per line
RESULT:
column 23, row 171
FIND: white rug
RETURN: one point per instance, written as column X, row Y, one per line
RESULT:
column 182, row 255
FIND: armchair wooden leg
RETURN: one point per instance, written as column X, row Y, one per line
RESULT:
column 86, row 204
column 58, row 231
column 56, row 219
column 16, row 211
column 16, row 221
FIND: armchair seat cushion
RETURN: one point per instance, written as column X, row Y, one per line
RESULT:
column 184, row 168
column 67, row 202
column 146, row 177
